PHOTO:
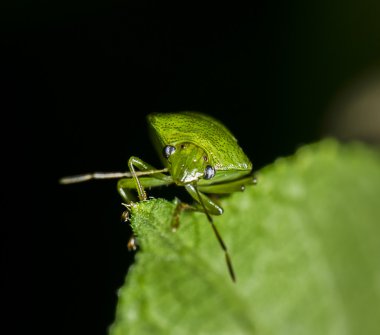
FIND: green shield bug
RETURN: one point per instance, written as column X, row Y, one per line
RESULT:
column 199, row 153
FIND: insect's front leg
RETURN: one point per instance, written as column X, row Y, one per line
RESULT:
column 156, row 178
column 152, row 178
column 126, row 185
column 210, row 206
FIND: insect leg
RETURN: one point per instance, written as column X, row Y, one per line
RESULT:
column 141, row 165
column 125, row 185
column 228, row 187
column 208, row 205
column 179, row 208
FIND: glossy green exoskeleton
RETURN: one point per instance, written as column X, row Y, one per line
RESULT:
column 198, row 152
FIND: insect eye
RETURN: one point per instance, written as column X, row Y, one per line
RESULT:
column 168, row 150
column 209, row 172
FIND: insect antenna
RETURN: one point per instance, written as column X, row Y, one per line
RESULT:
column 219, row 238
column 106, row 175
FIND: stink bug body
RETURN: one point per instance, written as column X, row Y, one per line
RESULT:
column 199, row 153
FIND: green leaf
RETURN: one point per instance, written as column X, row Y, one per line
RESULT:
column 305, row 244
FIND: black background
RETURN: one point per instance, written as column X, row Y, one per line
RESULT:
column 79, row 79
